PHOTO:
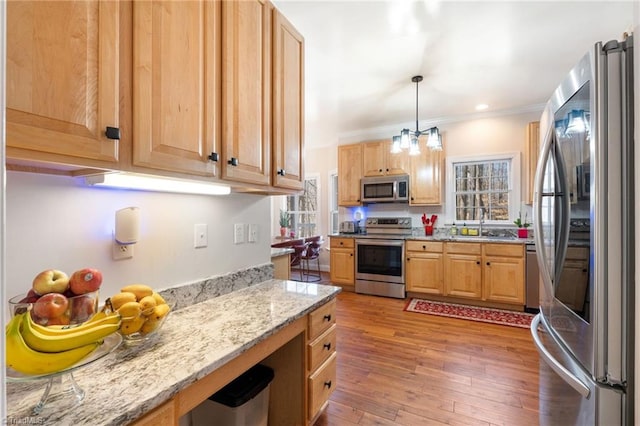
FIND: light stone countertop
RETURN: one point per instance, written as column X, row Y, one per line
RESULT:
column 193, row 342
column 443, row 238
column 276, row 252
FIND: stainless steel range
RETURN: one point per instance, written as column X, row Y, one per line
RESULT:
column 380, row 264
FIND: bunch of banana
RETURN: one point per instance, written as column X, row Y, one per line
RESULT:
column 35, row 349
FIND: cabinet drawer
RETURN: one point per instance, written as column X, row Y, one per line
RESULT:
column 321, row 319
column 343, row 242
column 321, row 348
column 515, row 250
column 464, row 248
column 321, row 384
column 429, row 246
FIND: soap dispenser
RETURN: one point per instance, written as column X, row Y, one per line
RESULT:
column 454, row 229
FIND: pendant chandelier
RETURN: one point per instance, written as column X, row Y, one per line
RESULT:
column 408, row 139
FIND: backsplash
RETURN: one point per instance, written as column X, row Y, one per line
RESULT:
column 198, row 291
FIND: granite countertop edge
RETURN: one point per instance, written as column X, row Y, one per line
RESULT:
column 195, row 341
column 447, row 238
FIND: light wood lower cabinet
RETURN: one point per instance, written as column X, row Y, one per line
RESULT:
column 424, row 267
column 503, row 267
column 463, row 270
column 342, row 261
column 321, row 356
column 574, row 278
column 303, row 357
column 486, row 272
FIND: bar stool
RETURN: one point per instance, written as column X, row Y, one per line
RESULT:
column 312, row 253
column 299, row 250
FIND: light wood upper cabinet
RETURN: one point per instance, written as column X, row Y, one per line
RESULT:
column 246, row 91
column 288, row 104
column 62, row 81
column 377, row 159
column 176, row 85
column 426, row 178
column 349, row 174
column 532, row 151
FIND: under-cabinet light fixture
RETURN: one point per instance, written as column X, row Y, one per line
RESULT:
column 152, row 183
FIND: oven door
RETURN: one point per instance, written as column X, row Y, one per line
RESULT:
column 380, row 260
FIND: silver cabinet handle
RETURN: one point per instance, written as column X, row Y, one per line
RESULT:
column 565, row 374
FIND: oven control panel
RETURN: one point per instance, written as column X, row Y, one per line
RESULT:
column 389, row 222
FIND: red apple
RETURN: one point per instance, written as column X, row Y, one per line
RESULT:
column 50, row 306
column 82, row 307
column 31, row 297
column 61, row 320
column 50, row 281
column 85, row 281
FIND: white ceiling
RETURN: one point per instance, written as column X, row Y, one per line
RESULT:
column 361, row 55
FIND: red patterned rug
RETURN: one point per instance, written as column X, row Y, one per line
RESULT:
column 473, row 313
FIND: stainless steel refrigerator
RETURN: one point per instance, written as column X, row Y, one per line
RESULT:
column 584, row 331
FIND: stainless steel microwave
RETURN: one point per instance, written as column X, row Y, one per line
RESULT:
column 385, row 189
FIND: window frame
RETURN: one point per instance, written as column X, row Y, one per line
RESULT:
column 293, row 215
column 515, row 183
column 334, row 208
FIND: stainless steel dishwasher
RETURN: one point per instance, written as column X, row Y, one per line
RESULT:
column 532, row 285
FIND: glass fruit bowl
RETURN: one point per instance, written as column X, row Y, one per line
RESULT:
column 58, row 309
column 141, row 320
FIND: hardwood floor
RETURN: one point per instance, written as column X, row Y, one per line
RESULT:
column 397, row 367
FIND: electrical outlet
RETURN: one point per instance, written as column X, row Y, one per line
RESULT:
column 200, row 237
column 253, row 233
column 121, row 251
column 238, row 233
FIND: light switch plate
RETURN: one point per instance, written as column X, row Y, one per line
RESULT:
column 253, row 233
column 200, row 236
column 238, row 233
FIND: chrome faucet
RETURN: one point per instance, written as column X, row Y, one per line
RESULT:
column 481, row 221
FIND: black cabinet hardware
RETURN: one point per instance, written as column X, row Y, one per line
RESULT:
column 327, row 384
column 233, row 161
column 112, row 133
column 281, row 172
column 327, row 317
column 213, row 156
column 327, row 346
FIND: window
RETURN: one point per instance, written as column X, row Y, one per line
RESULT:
column 483, row 188
column 333, row 202
column 303, row 208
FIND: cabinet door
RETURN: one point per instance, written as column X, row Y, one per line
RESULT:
column 532, row 150
column 463, row 276
column 62, row 80
column 288, row 104
column 373, row 163
column 572, row 286
column 396, row 164
column 425, row 273
column 246, row 91
column 342, row 267
column 426, row 178
column 377, row 159
column 175, row 85
column 504, row 279
column 349, row 174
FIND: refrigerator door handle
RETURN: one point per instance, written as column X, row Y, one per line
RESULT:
column 538, row 234
column 565, row 374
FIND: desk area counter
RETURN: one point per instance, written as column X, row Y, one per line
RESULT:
column 197, row 345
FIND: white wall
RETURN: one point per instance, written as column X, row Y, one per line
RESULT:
column 54, row 222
